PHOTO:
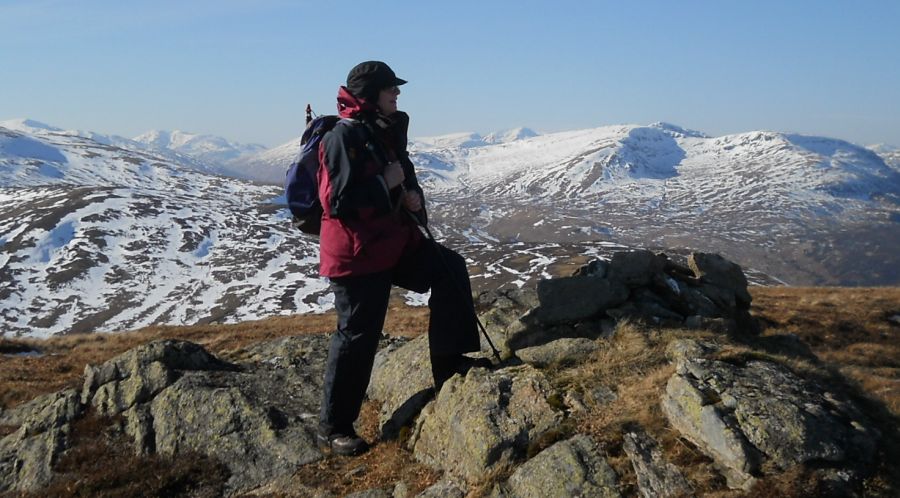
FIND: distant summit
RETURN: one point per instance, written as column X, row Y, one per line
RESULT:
column 678, row 131
column 205, row 148
column 467, row 140
column 26, row 125
column 506, row 136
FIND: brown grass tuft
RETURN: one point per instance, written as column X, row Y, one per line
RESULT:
column 384, row 465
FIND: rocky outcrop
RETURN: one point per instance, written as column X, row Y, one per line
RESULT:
column 402, row 382
column 256, row 416
column 759, row 414
column 441, row 489
column 372, row 493
column 574, row 467
column 483, row 421
column 656, row 477
column 141, row 373
column 565, row 350
column 709, row 292
column 27, row 455
column 255, row 410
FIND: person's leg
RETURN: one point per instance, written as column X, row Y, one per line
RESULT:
column 452, row 329
column 361, row 303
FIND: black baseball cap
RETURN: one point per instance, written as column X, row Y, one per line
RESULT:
column 368, row 78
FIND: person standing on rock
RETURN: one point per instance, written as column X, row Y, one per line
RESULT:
column 369, row 241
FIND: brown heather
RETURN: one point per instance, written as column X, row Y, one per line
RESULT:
column 848, row 342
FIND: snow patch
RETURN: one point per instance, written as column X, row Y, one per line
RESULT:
column 55, row 240
column 417, row 299
column 30, row 148
column 203, row 249
column 50, row 171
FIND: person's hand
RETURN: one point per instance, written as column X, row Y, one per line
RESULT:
column 393, row 174
column 412, row 201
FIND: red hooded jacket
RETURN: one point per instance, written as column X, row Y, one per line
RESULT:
column 363, row 229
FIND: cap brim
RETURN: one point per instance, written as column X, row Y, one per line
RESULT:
column 398, row 82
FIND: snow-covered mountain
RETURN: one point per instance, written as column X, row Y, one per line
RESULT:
column 469, row 140
column 209, row 149
column 890, row 154
column 268, row 166
column 809, row 210
column 97, row 233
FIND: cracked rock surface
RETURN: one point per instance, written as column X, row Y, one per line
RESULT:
column 743, row 416
column 575, row 467
column 483, row 420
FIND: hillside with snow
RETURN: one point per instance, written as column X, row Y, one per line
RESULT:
column 97, row 237
column 889, row 153
column 208, row 149
column 101, row 233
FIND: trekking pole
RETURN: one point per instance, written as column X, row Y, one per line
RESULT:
column 437, row 247
column 309, row 115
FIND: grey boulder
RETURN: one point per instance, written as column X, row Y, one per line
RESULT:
column 559, row 351
column 743, row 416
column 483, row 421
column 572, row 299
column 656, row 477
column 574, row 467
column 402, row 382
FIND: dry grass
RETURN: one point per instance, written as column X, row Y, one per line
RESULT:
column 845, row 339
column 385, row 464
column 635, row 366
column 847, row 328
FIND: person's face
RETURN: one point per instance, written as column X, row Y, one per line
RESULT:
column 387, row 100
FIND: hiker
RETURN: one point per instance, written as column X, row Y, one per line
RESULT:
column 369, row 241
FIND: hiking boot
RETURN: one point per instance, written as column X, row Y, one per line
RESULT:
column 444, row 367
column 340, row 444
column 468, row 363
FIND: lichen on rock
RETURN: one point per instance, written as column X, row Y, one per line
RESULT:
column 483, row 421
column 761, row 412
column 574, row 467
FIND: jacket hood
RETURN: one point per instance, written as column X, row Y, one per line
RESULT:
column 349, row 106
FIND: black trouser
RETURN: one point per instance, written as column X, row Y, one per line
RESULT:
column 361, row 303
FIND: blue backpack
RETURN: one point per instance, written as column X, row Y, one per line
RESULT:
column 301, row 187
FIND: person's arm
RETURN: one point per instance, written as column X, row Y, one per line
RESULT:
column 410, row 183
column 343, row 158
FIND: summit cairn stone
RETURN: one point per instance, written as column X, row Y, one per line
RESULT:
column 713, row 269
column 570, row 299
column 709, row 292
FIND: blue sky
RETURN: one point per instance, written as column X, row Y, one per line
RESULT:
column 245, row 70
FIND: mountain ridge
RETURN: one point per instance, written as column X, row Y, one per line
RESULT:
column 95, row 236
